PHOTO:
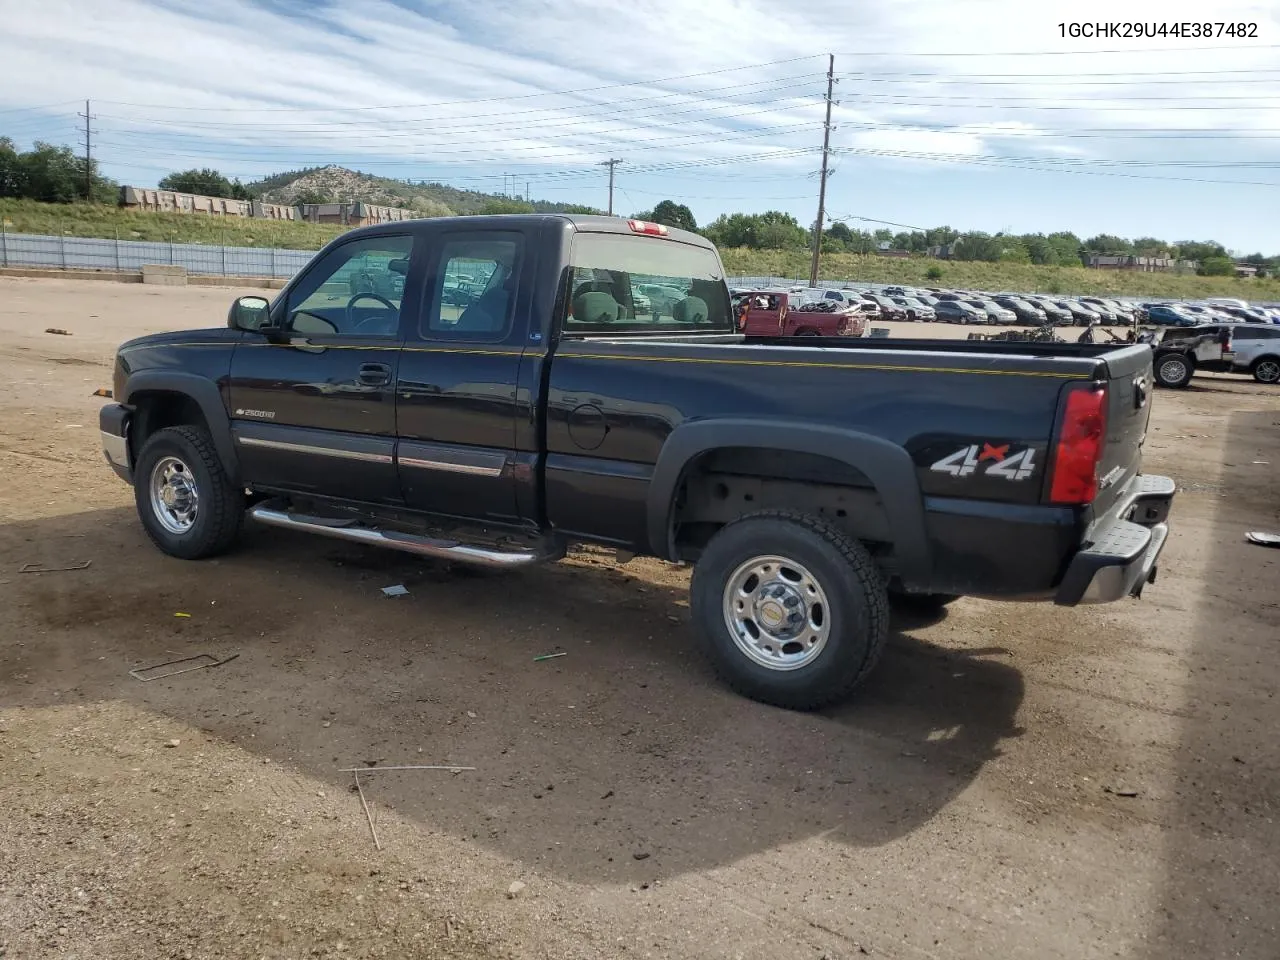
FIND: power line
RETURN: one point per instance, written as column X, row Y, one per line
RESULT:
column 755, row 65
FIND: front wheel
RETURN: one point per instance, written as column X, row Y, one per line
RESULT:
column 1267, row 370
column 790, row 610
column 187, row 503
column 1173, row 370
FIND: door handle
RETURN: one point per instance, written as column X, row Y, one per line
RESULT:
column 375, row 374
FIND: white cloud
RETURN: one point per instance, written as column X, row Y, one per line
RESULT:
column 252, row 88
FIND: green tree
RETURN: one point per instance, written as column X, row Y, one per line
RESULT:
column 840, row 231
column 1013, row 250
column 977, row 246
column 11, row 179
column 1217, row 267
column 1105, row 243
column 205, row 181
column 1198, row 250
column 504, row 205
column 426, row 207
column 1039, row 249
column 671, row 214
column 1067, row 247
column 313, row 195
column 933, row 273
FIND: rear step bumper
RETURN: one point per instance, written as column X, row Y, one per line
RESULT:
column 1122, row 559
column 271, row 514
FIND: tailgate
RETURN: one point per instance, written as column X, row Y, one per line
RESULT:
column 1129, row 384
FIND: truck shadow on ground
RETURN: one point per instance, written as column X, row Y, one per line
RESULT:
column 1223, row 846
column 625, row 746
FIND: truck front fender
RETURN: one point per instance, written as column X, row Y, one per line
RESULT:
column 887, row 465
column 200, row 390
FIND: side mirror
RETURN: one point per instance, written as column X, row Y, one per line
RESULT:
column 250, row 314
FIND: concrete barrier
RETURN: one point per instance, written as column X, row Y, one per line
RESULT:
column 164, row 275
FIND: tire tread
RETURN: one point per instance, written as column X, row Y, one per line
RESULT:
column 225, row 503
column 864, row 570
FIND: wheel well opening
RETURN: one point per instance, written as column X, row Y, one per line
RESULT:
column 721, row 485
column 156, row 409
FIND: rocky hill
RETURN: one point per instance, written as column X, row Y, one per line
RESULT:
column 335, row 184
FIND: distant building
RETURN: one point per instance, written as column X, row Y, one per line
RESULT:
column 1246, row 270
column 354, row 214
column 1139, row 264
column 944, row 251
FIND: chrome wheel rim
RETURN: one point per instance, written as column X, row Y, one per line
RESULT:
column 1268, row 371
column 777, row 612
column 175, row 500
column 1173, row 370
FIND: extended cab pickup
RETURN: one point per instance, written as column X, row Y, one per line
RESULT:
column 806, row 479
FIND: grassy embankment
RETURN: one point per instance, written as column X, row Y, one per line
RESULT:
column 86, row 220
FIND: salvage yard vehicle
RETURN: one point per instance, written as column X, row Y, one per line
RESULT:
column 777, row 314
column 806, row 479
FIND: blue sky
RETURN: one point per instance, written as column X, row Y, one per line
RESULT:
column 977, row 115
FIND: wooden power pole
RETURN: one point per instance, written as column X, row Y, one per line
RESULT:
column 88, row 153
column 822, row 182
column 610, row 164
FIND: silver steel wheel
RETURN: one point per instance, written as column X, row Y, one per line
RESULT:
column 1267, row 371
column 175, row 499
column 1173, row 370
column 777, row 612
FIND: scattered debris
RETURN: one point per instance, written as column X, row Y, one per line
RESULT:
column 673, row 618
column 372, row 829
column 517, row 887
column 41, row 568
column 198, row 662
column 471, row 714
column 58, row 330
column 1121, row 791
column 607, row 795
column 1263, row 539
column 641, row 855
column 550, row 656
column 103, row 392
column 396, row 590
column 185, row 616
column 172, row 743
column 1261, row 463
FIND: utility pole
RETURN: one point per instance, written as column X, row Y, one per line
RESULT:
column 88, row 152
column 822, row 181
column 610, row 164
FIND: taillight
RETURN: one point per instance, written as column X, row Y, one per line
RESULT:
column 1080, row 444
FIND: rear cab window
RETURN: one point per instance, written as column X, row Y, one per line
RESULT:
column 638, row 285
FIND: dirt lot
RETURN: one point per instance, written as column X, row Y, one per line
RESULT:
column 973, row 802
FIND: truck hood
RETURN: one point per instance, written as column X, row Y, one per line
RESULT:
column 209, row 335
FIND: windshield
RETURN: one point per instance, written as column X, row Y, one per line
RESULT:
column 634, row 284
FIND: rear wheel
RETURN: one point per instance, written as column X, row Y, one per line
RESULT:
column 1266, row 370
column 1173, row 370
column 187, row 503
column 790, row 610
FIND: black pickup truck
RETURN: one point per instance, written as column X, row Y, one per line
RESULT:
column 806, row 479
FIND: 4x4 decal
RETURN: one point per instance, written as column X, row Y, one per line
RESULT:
column 998, row 462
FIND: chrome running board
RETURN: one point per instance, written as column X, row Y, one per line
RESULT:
column 271, row 515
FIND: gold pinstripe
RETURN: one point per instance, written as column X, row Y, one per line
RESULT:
column 732, row 361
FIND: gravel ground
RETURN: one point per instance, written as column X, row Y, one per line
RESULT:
column 1015, row 780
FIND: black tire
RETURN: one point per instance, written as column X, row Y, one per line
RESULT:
column 220, row 504
column 857, row 608
column 1174, row 370
column 1266, row 369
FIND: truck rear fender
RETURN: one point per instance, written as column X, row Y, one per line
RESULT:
column 886, row 465
column 166, row 398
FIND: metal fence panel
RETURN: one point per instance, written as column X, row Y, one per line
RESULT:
column 86, row 253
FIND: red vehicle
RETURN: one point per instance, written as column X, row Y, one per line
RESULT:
column 769, row 313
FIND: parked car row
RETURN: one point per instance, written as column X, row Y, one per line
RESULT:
column 1251, row 348
column 1220, row 310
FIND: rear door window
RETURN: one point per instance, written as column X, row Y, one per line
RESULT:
column 634, row 284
